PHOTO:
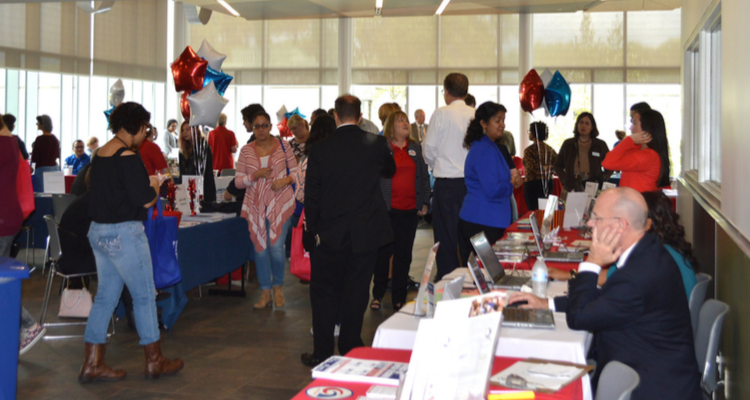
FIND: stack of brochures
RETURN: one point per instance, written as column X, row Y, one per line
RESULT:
column 345, row 369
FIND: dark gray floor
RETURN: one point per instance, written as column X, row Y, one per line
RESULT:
column 231, row 351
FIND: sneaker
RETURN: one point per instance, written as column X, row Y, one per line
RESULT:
column 30, row 337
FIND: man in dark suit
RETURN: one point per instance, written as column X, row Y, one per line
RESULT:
column 418, row 128
column 640, row 316
column 344, row 209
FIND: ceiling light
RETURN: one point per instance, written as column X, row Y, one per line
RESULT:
column 228, row 8
column 442, row 7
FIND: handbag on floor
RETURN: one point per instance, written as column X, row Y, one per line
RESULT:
column 161, row 232
column 299, row 262
column 75, row 303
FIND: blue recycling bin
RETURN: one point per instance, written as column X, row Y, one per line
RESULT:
column 11, row 273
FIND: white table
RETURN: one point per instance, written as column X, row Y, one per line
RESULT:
column 561, row 344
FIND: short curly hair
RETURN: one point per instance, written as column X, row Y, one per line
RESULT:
column 539, row 130
column 129, row 116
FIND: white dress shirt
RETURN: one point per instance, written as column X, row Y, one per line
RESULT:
column 443, row 146
column 591, row 267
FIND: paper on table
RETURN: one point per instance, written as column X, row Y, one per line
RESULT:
column 221, row 186
column 575, row 207
column 535, row 381
column 382, row 392
column 591, row 188
column 54, row 182
column 181, row 199
column 347, row 369
column 608, row 185
column 554, row 371
column 421, row 308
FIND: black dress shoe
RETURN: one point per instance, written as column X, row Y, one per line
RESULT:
column 412, row 285
column 310, row 360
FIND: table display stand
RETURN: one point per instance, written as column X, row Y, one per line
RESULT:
column 11, row 274
column 228, row 291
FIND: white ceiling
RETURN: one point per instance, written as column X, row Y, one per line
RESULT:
column 292, row 9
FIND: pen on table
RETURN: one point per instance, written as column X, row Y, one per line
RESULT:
column 511, row 396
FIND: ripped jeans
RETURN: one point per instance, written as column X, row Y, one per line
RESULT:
column 122, row 257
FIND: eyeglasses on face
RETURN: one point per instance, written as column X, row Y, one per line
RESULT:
column 261, row 126
column 596, row 218
column 78, row 147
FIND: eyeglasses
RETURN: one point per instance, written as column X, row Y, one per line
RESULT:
column 597, row 219
column 261, row 126
column 78, row 147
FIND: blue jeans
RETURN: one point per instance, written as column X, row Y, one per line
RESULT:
column 38, row 181
column 122, row 257
column 270, row 263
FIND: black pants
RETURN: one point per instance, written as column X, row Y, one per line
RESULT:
column 404, row 225
column 469, row 229
column 448, row 196
column 339, row 281
column 533, row 191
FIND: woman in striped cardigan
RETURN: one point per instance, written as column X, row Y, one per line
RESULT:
column 407, row 196
column 264, row 168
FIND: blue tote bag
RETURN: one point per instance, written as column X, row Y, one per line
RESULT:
column 161, row 232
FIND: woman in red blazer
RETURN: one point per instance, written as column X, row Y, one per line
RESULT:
column 643, row 157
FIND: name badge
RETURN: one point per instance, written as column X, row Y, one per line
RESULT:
column 595, row 154
column 412, row 153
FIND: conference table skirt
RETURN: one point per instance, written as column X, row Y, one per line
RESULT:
column 206, row 252
column 574, row 391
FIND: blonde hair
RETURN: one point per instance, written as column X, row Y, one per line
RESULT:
column 222, row 120
column 295, row 120
column 388, row 127
column 92, row 140
column 387, row 109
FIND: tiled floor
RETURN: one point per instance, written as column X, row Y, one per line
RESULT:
column 231, row 351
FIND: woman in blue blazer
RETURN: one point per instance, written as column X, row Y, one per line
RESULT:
column 486, row 207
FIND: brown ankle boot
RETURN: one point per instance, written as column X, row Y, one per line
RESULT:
column 94, row 368
column 158, row 365
column 265, row 299
column 278, row 296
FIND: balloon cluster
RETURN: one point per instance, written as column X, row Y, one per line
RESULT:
column 283, row 117
column 548, row 90
column 116, row 96
column 202, row 83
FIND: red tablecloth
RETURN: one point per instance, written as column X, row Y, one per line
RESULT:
column 69, row 182
column 574, row 391
column 568, row 237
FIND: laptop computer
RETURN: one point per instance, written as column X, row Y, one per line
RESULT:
column 513, row 317
column 488, row 258
column 554, row 256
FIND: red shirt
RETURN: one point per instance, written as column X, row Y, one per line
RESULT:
column 640, row 167
column 152, row 157
column 403, row 192
column 221, row 141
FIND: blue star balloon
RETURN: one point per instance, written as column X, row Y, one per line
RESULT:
column 295, row 112
column 557, row 95
column 220, row 80
column 109, row 112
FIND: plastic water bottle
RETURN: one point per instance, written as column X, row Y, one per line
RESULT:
column 539, row 278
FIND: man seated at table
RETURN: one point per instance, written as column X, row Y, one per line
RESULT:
column 640, row 315
column 79, row 159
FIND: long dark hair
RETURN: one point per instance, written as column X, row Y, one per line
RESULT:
column 594, row 129
column 653, row 123
column 475, row 131
column 323, row 127
column 665, row 222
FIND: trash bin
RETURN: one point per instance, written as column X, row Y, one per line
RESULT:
column 11, row 273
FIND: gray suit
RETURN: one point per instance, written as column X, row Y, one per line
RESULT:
column 414, row 133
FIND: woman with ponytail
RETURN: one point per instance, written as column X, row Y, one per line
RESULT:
column 486, row 207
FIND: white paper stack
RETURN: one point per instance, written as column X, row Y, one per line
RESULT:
column 347, row 369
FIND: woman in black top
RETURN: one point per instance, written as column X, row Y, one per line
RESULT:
column 192, row 155
column 121, row 193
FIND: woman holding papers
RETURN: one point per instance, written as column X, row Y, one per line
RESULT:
column 264, row 168
column 643, row 157
column 486, row 207
column 407, row 197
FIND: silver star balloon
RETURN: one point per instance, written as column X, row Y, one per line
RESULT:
column 206, row 106
column 116, row 93
column 214, row 58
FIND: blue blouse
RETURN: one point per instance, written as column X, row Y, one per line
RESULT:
column 488, row 186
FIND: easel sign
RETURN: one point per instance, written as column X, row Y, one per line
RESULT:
column 420, row 310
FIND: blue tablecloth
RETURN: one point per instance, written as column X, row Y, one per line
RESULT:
column 206, row 252
column 43, row 206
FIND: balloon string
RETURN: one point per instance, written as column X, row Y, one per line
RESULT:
column 545, row 174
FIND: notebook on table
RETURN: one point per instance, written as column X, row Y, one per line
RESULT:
column 490, row 261
column 554, row 256
column 513, row 317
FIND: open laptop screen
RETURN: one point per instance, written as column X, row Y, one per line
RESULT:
column 487, row 256
column 537, row 235
column 476, row 273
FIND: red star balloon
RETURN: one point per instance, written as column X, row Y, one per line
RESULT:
column 188, row 71
column 531, row 91
column 185, row 105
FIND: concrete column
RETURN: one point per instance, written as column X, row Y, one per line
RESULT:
column 525, row 63
column 345, row 56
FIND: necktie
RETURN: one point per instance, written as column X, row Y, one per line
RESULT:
column 421, row 132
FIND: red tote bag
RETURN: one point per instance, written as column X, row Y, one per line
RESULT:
column 299, row 263
column 24, row 188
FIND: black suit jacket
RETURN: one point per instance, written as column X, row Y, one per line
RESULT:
column 343, row 201
column 640, row 317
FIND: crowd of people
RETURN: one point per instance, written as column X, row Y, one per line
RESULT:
column 359, row 193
